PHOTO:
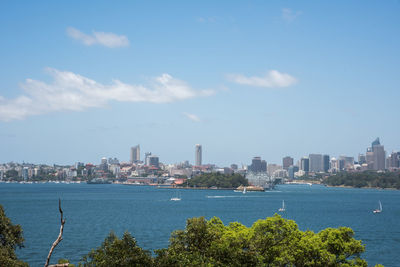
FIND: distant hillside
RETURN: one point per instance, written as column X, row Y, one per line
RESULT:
column 365, row 179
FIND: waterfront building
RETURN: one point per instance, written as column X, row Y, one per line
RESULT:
column 25, row 173
column 259, row 179
column 258, row 165
column 287, row 162
column 198, row 155
column 292, row 170
column 305, row 164
column 135, row 154
column 272, row 168
column 316, row 163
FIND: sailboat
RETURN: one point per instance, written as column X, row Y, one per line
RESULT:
column 177, row 197
column 283, row 206
column 380, row 208
column 244, row 190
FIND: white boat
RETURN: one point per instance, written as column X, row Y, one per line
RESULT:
column 244, row 190
column 177, row 197
column 283, row 206
column 380, row 208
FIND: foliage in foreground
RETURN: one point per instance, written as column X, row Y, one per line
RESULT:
column 365, row 179
column 270, row 242
column 118, row 252
column 10, row 239
column 218, row 180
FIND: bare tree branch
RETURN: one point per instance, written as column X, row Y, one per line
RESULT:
column 59, row 238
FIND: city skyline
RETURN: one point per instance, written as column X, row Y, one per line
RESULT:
column 243, row 79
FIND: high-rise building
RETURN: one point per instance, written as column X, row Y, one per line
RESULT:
column 325, row 163
column 146, row 158
column 153, row 161
column 305, row 164
column 393, row 161
column 376, row 156
column 348, row 162
column 379, row 157
column 316, row 163
column 198, row 155
column 104, row 164
column 287, row 162
column 135, row 154
column 258, row 165
column 292, row 170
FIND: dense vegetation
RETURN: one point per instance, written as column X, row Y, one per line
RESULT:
column 218, row 180
column 270, row 242
column 365, row 179
column 10, row 239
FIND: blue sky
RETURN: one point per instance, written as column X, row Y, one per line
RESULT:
column 81, row 80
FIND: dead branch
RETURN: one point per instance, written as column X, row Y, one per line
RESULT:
column 59, row 238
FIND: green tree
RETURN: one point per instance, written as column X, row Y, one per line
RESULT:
column 270, row 242
column 10, row 239
column 118, row 252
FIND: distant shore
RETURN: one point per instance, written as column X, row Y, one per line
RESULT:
column 366, row 187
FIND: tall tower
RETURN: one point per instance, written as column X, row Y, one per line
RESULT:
column 198, row 152
column 287, row 162
column 135, row 154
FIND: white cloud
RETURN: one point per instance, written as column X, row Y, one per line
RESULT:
column 70, row 91
column 192, row 117
column 272, row 79
column 289, row 15
column 102, row 38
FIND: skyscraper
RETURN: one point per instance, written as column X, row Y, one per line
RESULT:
column 135, row 154
column 287, row 162
column 316, row 163
column 379, row 157
column 305, row 164
column 325, row 163
column 376, row 155
column 258, row 165
column 393, row 161
column 198, row 155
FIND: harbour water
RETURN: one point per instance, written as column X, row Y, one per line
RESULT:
column 92, row 211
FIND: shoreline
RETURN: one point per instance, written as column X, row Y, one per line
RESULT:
column 365, row 187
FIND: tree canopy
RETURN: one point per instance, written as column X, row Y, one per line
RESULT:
column 118, row 252
column 219, row 180
column 10, row 239
column 270, row 242
column 365, row 179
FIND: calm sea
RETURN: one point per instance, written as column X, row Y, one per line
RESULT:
column 92, row 211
